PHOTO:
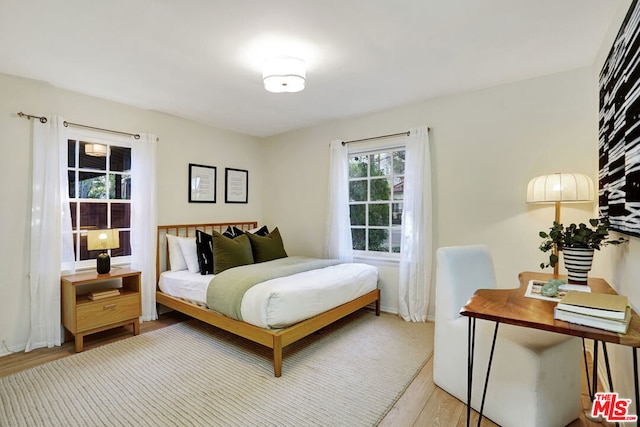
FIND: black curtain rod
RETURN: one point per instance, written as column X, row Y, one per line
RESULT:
column 67, row 124
column 407, row 133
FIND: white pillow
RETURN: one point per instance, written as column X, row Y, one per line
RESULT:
column 190, row 253
column 176, row 259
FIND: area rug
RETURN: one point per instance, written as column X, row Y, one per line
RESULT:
column 348, row 374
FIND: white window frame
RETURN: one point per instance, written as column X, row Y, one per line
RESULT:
column 109, row 140
column 381, row 258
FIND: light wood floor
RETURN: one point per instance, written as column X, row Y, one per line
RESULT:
column 423, row 404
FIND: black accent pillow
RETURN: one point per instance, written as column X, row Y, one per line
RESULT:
column 262, row 231
column 204, row 247
column 233, row 232
column 230, row 253
column 267, row 248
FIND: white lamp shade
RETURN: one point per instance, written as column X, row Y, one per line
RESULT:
column 284, row 74
column 560, row 187
column 98, row 240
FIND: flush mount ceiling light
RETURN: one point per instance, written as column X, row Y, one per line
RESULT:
column 95, row 150
column 283, row 74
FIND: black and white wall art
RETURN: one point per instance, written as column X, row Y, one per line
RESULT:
column 619, row 122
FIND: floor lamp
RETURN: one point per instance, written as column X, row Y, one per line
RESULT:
column 560, row 188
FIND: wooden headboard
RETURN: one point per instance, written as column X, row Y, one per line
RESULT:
column 189, row 230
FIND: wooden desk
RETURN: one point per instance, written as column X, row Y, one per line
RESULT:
column 512, row 307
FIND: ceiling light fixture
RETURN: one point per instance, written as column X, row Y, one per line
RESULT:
column 95, row 150
column 284, row 74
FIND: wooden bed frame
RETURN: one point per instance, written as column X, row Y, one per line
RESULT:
column 274, row 339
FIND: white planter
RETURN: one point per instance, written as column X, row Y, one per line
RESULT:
column 578, row 262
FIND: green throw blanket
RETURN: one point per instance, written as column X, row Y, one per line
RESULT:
column 226, row 289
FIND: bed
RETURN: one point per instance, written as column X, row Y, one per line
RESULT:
column 276, row 327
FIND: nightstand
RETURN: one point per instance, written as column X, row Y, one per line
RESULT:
column 82, row 316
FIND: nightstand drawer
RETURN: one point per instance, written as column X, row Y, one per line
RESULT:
column 110, row 310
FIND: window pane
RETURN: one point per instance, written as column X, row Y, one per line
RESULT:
column 120, row 160
column 72, row 184
column 120, row 187
column 93, row 216
column 379, row 240
column 398, row 188
column 396, row 235
column 398, row 162
column 72, row 208
column 71, row 153
column 358, row 214
column 120, row 215
column 379, row 214
column 357, row 191
column 380, row 164
column 396, row 214
column 93, row 156
column 358, row 166
column 92, row 185
column 380, row 189
column 358, row 237
column 125, row 245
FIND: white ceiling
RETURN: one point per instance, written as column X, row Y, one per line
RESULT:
column 201, row 59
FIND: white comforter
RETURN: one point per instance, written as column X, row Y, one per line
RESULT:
column 284, row 301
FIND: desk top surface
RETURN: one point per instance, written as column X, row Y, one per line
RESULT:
column 512, row 307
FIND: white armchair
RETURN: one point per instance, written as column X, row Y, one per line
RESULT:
column 535, row 375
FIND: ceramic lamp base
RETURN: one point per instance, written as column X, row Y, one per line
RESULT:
column 103, row 263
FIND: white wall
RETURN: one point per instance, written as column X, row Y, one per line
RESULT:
column 181, row 142
column 485, row 147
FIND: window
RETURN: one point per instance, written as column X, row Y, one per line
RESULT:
column 376, row 181
column 99, row 193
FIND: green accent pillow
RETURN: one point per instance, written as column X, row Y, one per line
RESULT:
column 267, row 248
column 229, row 253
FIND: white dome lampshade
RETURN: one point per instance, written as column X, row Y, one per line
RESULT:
column 284, row 74
column 560, row 187
column 557, row 188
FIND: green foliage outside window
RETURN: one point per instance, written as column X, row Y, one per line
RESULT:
column 370, row 194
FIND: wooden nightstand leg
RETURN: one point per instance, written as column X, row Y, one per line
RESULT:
column 67, row 335
column 79, row 343
column 136, row 327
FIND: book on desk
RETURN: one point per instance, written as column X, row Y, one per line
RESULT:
column 604, row 311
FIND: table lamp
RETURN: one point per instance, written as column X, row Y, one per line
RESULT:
column 560, row 188
column 102, row 240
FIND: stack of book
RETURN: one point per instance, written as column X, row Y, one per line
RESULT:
column 103, row 294
column 603, row 311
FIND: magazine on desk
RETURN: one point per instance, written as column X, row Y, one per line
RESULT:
column 534, row 290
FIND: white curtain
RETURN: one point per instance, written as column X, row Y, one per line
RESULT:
column 144, row 218
column 414, row 280
column 338, row 232
column 51, row 232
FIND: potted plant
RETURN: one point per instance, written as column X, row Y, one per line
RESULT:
column 577, row 243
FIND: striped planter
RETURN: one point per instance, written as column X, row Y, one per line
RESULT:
column 577, row 261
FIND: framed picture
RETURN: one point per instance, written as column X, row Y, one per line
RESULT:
column 236, row 185
column 202, row 184
column 619, row 156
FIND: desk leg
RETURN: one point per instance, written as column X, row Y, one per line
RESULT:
column 586, row 371
column 606, row 364
column 594, row 374
column 471, row 337
column 486, row 380
column 634, row 351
